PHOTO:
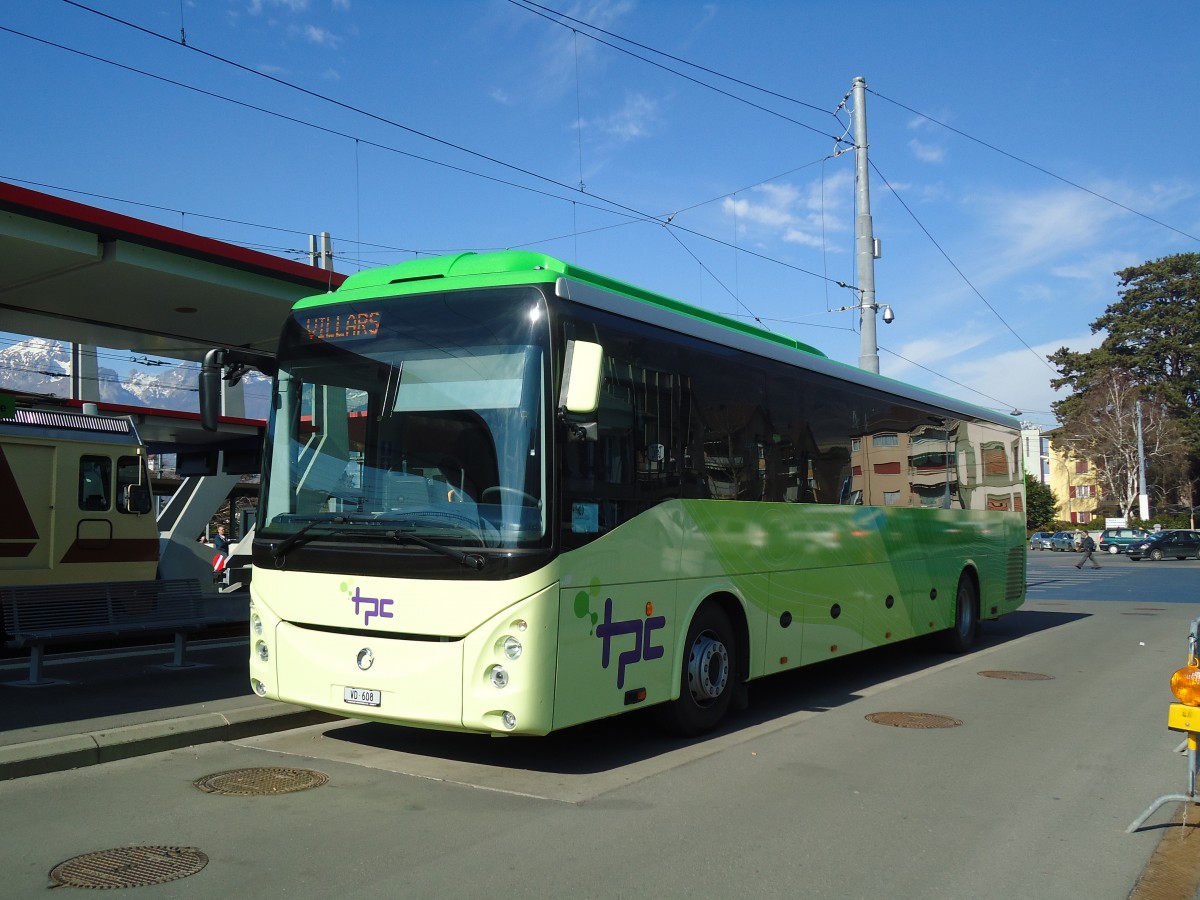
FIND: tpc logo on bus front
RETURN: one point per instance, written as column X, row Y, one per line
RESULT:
column 370, row 607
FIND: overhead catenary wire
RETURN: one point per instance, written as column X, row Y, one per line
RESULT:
column 967, row 281
column 657, row 220
column 649, row 218
column 966, row 387
column 1037, row 168
column 549, row 14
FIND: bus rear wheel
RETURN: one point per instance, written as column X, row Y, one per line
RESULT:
column 708, row 675
column 961, row 637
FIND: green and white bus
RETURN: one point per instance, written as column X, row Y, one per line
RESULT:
column 504, row 494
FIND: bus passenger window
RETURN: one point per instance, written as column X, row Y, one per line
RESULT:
column 95, row 480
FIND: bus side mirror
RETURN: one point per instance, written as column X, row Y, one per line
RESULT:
column 581, row 377
column 226, row 364
column 210, row 389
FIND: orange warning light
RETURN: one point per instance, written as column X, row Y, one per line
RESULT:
column 1185, row 685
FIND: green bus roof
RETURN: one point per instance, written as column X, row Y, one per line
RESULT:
column 514, row 267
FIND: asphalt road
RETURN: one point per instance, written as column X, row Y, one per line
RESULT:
column 1027, row 796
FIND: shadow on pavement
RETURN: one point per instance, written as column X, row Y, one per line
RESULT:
column 613, row 743
column 116, row 687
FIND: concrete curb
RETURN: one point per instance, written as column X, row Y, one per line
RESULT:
column 75, row 751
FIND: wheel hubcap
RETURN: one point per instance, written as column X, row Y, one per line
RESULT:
column 708, row 669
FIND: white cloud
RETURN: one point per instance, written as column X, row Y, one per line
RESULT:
column 636, row 119
column 929, row 153
column 1012, row 379
column 320, row 36
column 797, row 215
column 294, row 6
column 566, row 55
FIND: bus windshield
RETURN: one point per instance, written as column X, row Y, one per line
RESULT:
column 416, row 420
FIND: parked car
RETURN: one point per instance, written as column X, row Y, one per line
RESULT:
column 1040, row 540
column 1117, row 540
column 1063, row 540
column 1180, row 544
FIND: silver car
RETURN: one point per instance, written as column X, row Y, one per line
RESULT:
column 1063, row 540
column 1040, row 540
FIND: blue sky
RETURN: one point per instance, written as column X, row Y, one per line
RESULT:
column 424, row 127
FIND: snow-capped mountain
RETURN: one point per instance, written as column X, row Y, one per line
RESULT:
column 43, row 366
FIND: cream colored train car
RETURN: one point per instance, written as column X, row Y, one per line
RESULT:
column 76, row 502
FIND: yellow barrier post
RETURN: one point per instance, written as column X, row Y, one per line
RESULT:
column 1182, row 716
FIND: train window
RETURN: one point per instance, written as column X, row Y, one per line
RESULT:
column 95, row 483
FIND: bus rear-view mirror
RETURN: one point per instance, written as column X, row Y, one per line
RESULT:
column 581, row 377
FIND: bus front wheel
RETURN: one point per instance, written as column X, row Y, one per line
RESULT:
column 961, row 637
column 708, row 675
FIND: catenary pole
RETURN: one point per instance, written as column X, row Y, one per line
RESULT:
column 1143, row 497
column 868, row 351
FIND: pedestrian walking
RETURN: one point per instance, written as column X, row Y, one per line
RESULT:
column 1088, row 547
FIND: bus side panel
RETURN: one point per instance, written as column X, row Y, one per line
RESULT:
column 618, row 621
column 844, row 578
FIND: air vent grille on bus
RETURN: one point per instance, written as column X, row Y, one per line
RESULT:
column 1015, row 580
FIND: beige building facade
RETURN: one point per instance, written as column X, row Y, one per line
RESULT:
column 1073, row 483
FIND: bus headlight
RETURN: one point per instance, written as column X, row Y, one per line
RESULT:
column 256, row 625
column 511, row 647
column 261, row 649
column 498, row 675
column 509, row 720
column 259, row 687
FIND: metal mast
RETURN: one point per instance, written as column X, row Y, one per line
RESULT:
column 868, row 353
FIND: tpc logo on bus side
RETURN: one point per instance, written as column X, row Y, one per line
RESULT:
column 642, row 647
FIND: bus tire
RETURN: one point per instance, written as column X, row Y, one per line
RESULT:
column 960, row 637
column 708, row 675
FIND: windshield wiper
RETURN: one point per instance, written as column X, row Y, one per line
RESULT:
column 302, row 537
column 470, row 560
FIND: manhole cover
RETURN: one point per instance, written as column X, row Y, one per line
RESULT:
column 912, row 720
column 129, row 867
column 1018, row 676
column 260, row 782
